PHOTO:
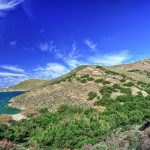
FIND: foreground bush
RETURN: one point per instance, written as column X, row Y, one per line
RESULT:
column 73, row 127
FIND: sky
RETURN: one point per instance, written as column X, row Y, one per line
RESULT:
column 45, row 39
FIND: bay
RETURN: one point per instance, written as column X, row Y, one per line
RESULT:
column 4, row 99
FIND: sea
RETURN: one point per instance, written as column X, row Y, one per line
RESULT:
column 4, row 100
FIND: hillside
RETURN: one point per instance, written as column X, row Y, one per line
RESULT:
column 75, row 87
column 90, row 108
column 27, row 85
column 139, row 71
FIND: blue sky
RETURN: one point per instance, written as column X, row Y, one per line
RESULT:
column 48, row 38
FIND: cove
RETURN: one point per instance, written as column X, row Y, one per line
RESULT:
column 4, row 99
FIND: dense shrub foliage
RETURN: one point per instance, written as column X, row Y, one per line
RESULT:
column 73, row 127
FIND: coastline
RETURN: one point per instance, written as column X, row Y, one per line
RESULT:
column 16, row 116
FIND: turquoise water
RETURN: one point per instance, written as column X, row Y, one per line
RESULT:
column 4, row 99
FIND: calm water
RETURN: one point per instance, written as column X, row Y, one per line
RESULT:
column 4, row 99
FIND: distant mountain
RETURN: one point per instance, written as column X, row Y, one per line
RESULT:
column 74, row 87
column 29, row 85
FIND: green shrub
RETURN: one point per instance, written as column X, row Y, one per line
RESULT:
column 147, row 90
column 106, row 91
column 99, row 80
column 111, row 72
column 92, row 95
column 83, row 80
column 122, row 90
column 106, row 82
column 129, row 84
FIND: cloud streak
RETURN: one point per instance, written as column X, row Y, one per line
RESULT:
column 110, row 59
column 90, row 44
column 12, row 68
column 6, row 5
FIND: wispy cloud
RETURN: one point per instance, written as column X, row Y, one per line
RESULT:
column 6, row 5
column 90, row 44
column 8, row 79
column 69, row 59
column 50, row 70
column 8, row 74
column 47, row 46
column 12, row 68
column 110, row 59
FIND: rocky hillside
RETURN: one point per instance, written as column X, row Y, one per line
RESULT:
column 141, row 66
column 139, row 71
column 84, row 86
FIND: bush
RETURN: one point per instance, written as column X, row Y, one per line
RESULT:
column 71, row 127
column 106, row 91
column 129, row 84
column 92, row 95
column 83, row 80
column 99, row 80
column 147, row 90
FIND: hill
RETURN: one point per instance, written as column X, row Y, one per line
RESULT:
column 92, row 107
column 27, row 85
column 76, row 87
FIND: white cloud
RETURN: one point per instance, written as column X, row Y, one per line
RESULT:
column 12, row 68
column 110, row 59
column 8, row 79
column 8, row 74
column 6, row 5
column 15, row 75
column 90, row 44
column 73, row 63
column 50, row 70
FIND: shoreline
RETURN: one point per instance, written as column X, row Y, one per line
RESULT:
column 16, row 116
column 11, row 117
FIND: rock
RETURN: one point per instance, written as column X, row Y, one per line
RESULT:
column 7, row 145
column 145, row 140
column 88, row 147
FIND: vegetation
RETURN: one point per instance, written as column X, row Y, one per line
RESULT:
column 73, row 127
column 129, row 84
column 85, row 78
column 147, row 90
column 102, row 81
column 92, row 95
